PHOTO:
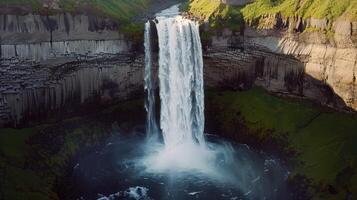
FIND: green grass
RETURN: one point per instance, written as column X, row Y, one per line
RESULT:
column 34, row 4
column 204, row 8
column 325, row 141
column 217, row 13
column 122, row 10
column 329, row 9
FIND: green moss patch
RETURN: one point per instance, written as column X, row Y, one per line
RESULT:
column 324, row 142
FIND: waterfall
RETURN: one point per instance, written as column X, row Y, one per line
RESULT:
column 151, row 126
column 180, row 80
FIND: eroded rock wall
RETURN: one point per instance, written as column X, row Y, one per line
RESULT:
column 324, row 65
column 28, row 90
column 15, row 29
column 331, row 65
column 37, row 37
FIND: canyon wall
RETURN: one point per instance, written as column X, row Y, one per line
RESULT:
column 28, row 91
column 53, row 63
column 38, row 37
column 50, row 62
column 297, row 57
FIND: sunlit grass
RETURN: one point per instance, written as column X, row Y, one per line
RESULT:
column 329, row 9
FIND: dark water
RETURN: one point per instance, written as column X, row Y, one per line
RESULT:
column 118, row 171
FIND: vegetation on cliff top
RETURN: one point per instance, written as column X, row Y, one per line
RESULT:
column 118, row 9
column 324, row 141
column 329, row 9
column 219, row 15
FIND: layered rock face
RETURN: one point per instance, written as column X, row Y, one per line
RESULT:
column 52, row 62
column 324, row 65
column 28, row 90
column 37, row 37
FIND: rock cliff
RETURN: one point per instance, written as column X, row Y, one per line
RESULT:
column 37, row 37
column 53, row 60
column 29, row 90
column 324, row 54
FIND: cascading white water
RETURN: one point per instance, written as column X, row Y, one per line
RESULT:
column 181, row 81
column 181, row 94
column 184, row 166
column 151, row 126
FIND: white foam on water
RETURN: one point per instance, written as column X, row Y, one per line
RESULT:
column 135, row 193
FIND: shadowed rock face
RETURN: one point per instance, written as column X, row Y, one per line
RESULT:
column 334, row 66
column 281, row 74
column 29, row 90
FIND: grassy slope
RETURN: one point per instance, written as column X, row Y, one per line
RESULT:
column 218, row 14
column 325, row 141
column 34, row 3
column 119, row 9
column 32, row 158
column 330, row 9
